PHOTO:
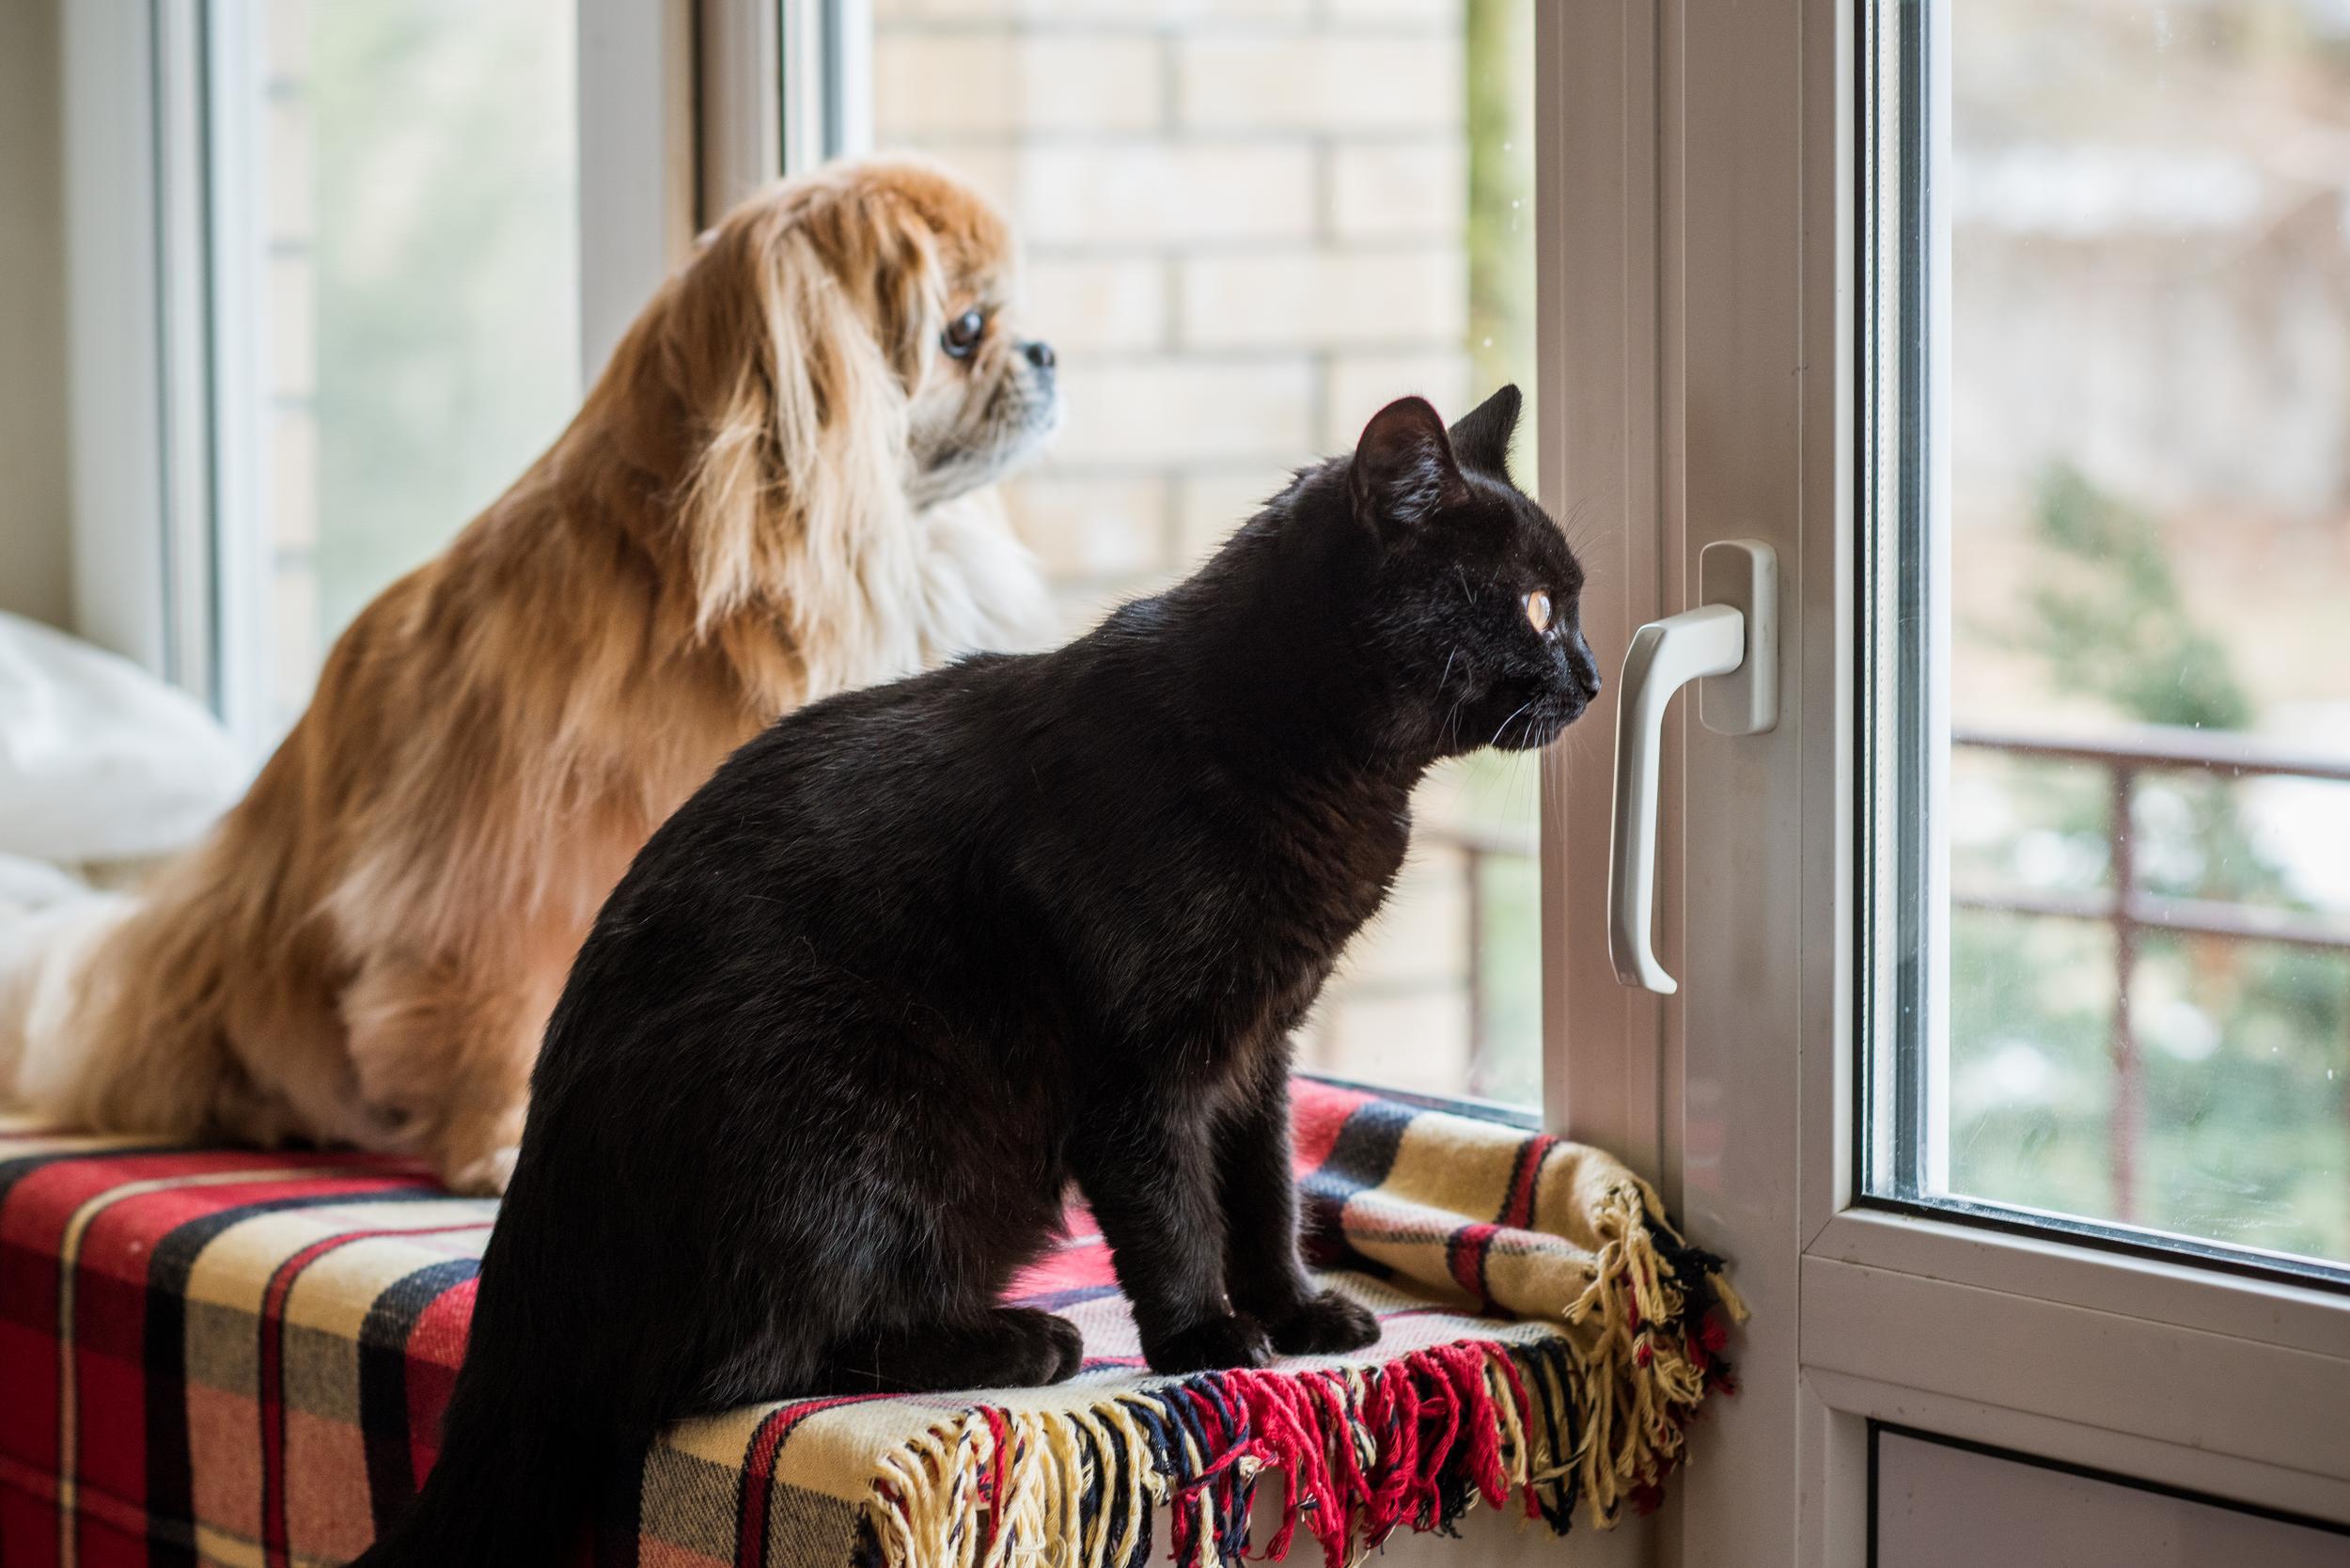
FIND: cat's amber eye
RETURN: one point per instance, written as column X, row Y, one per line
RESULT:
column 1538, row 610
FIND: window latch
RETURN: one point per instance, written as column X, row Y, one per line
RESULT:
column 1729, row 642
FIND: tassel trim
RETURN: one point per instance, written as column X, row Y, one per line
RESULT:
column 1597, row 1414
column 1662, row 1311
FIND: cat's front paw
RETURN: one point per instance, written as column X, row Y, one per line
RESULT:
column 1212, row 1344
column 1053, row 1347
column 1325, row 1324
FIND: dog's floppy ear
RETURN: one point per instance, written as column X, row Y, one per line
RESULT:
column 786, row 367
column 903, row 271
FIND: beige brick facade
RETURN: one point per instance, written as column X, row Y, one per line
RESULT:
column 1245, row 228
column 1410, row 189
column 1325, row 78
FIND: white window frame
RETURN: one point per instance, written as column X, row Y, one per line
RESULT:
column 681, row 113
column 115, row 116
column 1699, row 208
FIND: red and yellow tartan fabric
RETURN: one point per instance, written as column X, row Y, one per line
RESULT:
column 212, row 1356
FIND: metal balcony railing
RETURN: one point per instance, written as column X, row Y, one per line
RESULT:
column 1477, row 844
column 2128, row 908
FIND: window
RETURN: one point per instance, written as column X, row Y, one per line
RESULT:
column 339, row 274
column 2011, row 329
column 394, row 198
column 1246, row 227
column 2110, row 675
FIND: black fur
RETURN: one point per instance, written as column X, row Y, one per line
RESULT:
column 921, row 956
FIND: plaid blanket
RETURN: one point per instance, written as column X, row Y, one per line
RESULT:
column 235, row 1358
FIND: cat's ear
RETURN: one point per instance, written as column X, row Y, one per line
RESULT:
column 1481, row 437
column 1404, row 467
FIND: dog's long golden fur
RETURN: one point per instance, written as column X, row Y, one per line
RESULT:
column 766, row 497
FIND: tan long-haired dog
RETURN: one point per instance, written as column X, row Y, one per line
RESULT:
column 767, row 497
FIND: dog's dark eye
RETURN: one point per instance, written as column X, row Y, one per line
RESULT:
column 963, row 334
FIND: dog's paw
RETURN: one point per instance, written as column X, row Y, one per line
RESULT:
column 1325, row 1324
column 1212, row 1344
column 486, row 1177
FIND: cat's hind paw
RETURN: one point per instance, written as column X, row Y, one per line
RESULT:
column 1325, row 1324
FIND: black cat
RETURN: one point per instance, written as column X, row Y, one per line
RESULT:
column 920, row 956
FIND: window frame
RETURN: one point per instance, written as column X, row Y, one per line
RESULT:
column 115, row 114
column 1700, row 351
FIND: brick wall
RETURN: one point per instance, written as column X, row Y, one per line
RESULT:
column 1244, row 223
column 1244, row 230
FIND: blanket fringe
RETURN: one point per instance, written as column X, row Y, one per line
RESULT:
column 1597, row 1414
column 1662, row 1310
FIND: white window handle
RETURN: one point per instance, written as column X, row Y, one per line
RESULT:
column 1732, row 635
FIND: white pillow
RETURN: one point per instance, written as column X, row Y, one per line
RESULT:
column 100, row 761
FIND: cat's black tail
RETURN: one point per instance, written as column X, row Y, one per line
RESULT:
column 514, row 1480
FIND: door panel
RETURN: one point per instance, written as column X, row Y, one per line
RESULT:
column 1939, row 1505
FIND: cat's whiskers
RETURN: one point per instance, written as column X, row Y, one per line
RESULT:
column 1526, row 779
column 1578, row 512
column 1452, row 716
column 1507, row 722
column 1576, row 741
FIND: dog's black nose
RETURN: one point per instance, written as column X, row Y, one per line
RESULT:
column 1039, row 354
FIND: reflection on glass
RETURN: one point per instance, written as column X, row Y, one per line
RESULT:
column 416, row 283
column 1247, row 228
column 2148, row 804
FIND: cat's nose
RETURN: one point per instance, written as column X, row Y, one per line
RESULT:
column 1584, row 667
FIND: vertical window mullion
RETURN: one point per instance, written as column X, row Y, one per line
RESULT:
column 240, row 532
column 184, row 335
column 117, row 320
column 742, row 86
column 1900, row 924
column 639, row 190
column 1599, row 173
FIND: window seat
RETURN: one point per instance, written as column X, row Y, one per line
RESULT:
column 239, row 1357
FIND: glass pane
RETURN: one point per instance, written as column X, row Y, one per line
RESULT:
column 398, row 186
column 1248, row 225
column 2108, row 652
